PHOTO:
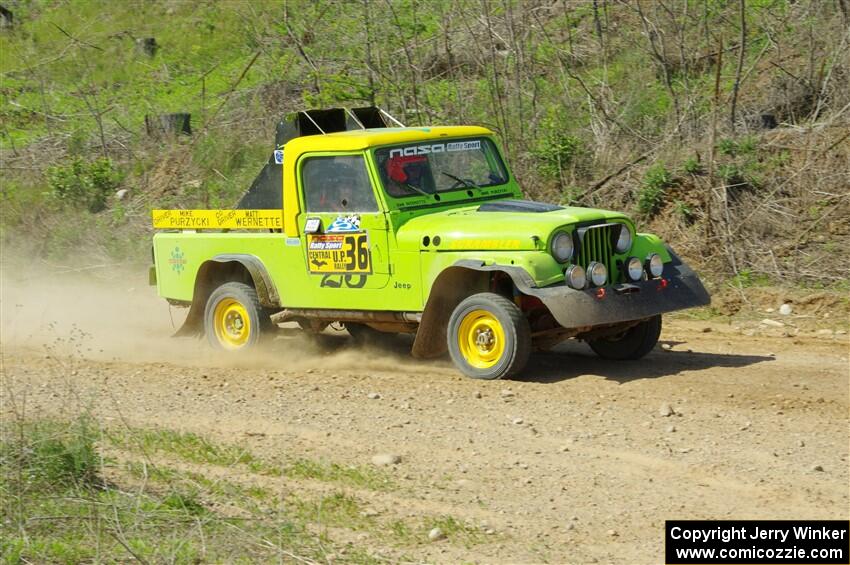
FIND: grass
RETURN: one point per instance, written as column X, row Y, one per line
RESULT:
column 59, row 507
column 186, row 445
column 356, row 476
column 66, row 501
column 196, row 449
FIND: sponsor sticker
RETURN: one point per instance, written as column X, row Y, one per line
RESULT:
column 342, row 253
column 345, row 224
column 436, row 148
column 485, row 244
column 177, row 260
column 217, row 219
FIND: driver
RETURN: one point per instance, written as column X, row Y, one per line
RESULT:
column 406, row 174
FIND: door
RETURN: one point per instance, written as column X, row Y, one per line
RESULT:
column 343, row 232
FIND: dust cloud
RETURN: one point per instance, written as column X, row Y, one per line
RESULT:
column 111, row 313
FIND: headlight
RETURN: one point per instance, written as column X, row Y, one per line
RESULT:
column 624, row 242
column 562, row 247
column 634, row 269
column 654, row 265
column 598, row 273
column 576, row 277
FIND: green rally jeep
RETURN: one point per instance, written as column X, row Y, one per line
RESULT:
column 416, row 230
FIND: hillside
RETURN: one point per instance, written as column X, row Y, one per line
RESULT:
column 721, row 125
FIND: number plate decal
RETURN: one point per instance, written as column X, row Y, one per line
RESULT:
column 339, row 253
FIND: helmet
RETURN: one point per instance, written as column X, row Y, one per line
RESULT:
column 401, row 168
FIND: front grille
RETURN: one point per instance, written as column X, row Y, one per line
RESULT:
column 597, row 244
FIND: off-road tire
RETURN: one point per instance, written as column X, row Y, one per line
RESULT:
column 515, row 336
column 631, row 345
column 241, row 307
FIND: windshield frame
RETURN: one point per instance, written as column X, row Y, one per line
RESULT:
column 495, row 155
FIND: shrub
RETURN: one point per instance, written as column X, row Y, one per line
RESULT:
column 84, row 184
column 692, row 166
column 684, row 211
column 656, row 181
column 745, row 146
column 557, row 152
column 727, row 146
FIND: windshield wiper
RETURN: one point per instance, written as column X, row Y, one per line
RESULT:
column 416, row 189
column 465, row 182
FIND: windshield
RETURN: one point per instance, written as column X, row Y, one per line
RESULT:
column 428, row 168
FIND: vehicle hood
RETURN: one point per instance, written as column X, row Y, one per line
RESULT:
column 500, row 225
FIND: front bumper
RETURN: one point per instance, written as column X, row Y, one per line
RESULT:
column 624, row 302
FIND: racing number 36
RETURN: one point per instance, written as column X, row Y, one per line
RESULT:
column 357, row 252
column 337, row 253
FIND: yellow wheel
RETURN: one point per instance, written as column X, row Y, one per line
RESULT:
column 232, row 324
column 233, row 316
column 488, row 337
column 481, row 339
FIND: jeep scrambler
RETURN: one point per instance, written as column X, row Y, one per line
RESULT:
column 422, row 230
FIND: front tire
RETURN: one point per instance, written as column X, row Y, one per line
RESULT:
column 632, row 344
column 488, row 337
column 233, row 317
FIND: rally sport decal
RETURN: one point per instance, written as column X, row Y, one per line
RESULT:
column 339, row 253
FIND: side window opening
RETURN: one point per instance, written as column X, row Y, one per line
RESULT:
column 337, row 184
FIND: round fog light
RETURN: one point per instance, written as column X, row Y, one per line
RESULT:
column 654, row 265
column 598, row 273
column 634, row 269
column 576, row 277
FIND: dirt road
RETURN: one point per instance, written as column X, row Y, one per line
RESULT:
column 579, row 460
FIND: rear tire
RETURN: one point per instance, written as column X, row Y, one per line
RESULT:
column 633, row 344
column 489, row 337
column 234, row 320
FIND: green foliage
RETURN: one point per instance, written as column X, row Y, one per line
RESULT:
column 692, row 166
column 186, row 501
column 747, row 278
column 727, row 146
column 84, row 184
column 54, row 456
column 729, row 172
column 361, row 477
column 740, row 147
column 557, row 152
column 656, row 181
column 571, row 195
column 186, row 445
column 57, row 510
column 683, row 211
